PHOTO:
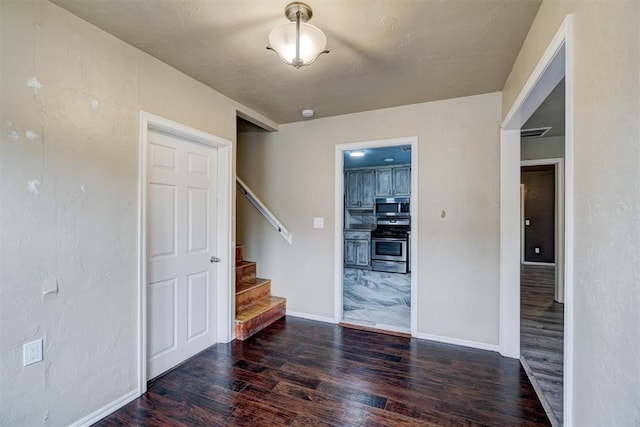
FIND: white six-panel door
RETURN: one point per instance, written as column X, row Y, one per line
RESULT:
column 181, row 235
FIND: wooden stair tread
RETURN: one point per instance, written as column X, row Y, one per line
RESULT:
column 248, row 285
column 244, row 263
column 259, row 307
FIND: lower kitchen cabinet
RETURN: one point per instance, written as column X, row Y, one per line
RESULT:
column 357, row 249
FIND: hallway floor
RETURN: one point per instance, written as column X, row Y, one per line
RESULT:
column 542, row 336
column 298, row 372
column 377, row 300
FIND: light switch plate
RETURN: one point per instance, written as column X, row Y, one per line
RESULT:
column 527, row 222
column 318, row 222
column 31, row 352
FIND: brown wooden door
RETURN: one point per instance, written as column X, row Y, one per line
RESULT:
column 539, row 213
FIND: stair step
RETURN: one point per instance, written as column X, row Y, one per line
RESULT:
column 245, row 272
column 239, row 254
column 259, row 315
column 250, row 292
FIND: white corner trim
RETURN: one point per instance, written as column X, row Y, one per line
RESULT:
column 457, row 341
column 311, row 317
column 338, row 247
column 545, row 67
column 106, row 409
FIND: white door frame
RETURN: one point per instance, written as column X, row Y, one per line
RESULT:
column 224, row 249
column 339, row 221
column 558, row 232
column 555, row 64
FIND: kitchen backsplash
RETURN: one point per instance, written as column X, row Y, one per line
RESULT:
column 358, row 219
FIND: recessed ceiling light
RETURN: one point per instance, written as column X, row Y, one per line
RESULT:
column 356, row 153
column 389, row 159
column 307, row 113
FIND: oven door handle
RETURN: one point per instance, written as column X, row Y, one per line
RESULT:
column 389, row 239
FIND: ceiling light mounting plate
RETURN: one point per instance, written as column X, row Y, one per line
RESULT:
column 291, row 10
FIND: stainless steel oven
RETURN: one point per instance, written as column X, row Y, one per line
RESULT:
column 389, row 249
column 390, row 246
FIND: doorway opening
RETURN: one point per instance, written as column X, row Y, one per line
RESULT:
column 555, row 65
column 375, row 255
column 542, row 249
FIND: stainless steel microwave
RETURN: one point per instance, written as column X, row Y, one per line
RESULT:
column 398, row 207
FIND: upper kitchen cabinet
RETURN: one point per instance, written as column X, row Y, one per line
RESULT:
column 359, row 188
column 395, row 181
column 402, row 181
column 384, row 182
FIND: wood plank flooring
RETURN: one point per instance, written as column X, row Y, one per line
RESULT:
column 303, row 373
column 542, row 335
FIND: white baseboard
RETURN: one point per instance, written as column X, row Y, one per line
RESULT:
column 457, row 341
column 107, row 409
column 311, row 317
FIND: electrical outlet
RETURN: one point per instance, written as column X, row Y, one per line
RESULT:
column 537, row 250
column 32, row 352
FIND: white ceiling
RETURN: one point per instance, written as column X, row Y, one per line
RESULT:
column 384, row 53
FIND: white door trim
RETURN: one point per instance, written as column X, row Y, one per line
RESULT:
column 339, row 220
column 559, row 236
column 556, row 63
column 224, row 248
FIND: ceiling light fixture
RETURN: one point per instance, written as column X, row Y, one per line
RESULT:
column 388, row 159
column 297, row 43
column 307, row 113
column 356, row 153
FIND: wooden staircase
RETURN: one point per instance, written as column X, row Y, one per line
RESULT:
column 256, row 308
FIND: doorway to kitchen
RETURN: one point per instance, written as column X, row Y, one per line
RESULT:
column 375, row 253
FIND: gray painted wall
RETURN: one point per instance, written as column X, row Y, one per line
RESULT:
column 542, row 148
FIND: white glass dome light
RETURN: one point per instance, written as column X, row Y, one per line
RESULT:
column 298, row 43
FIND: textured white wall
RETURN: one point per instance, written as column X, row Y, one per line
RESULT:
column 606, row 364
column 293, row 172
column 81, row 225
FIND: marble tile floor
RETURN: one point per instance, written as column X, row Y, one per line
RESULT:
column 377, row 299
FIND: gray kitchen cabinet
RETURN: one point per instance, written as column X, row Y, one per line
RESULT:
column 384, row 182
column 359, row 188
column 393, row 181
column 357, row 249
column 402, row 181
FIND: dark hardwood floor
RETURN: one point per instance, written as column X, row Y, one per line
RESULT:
column 304, row 373
column 542, row 335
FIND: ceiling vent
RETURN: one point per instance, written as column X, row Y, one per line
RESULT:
column 534, row 132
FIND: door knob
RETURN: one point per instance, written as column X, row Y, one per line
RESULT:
column 214, row 259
